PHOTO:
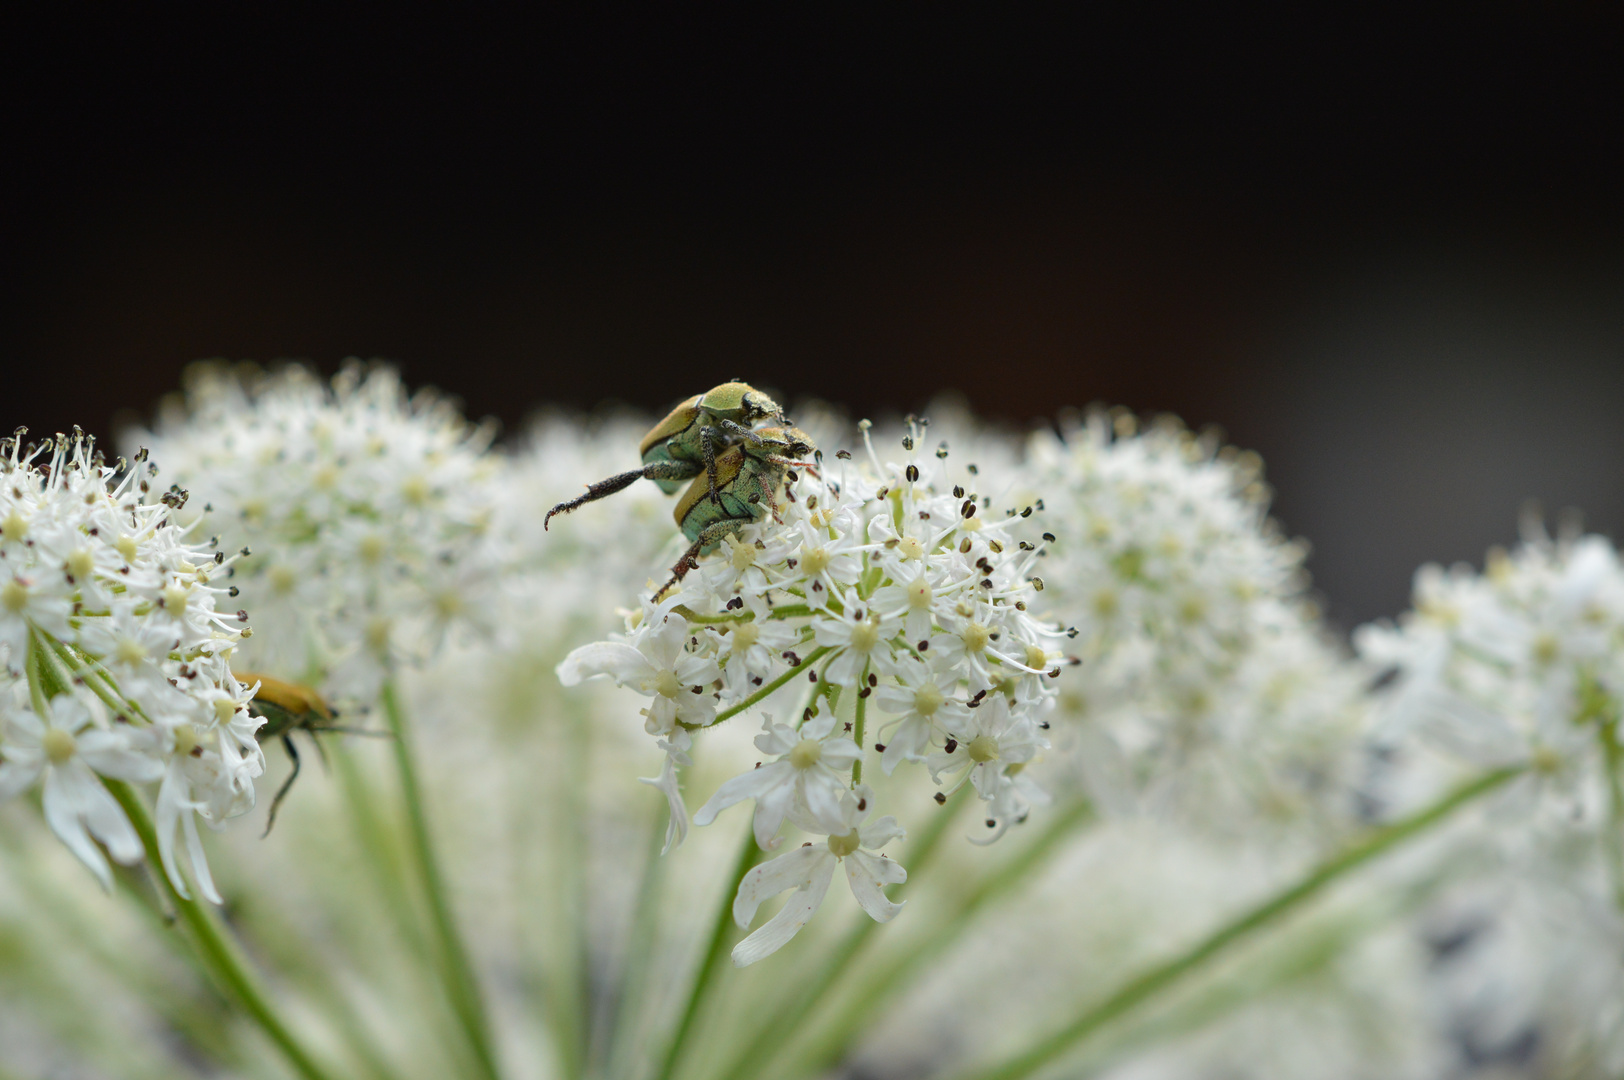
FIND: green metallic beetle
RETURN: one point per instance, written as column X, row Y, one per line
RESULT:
column 688, row 442
column 748, row 476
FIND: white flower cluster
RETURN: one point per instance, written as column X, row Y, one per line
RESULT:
column 896, row 586
column 1520, row 665
column 115, row 657
column 368, row 514
column 1197, row 648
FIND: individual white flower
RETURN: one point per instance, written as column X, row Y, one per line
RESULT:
column 863, row 638
column 925, row 700
column 753, row 650
column 71, row 759
column 657, row 667
column 990, row 746
column 810, row 775
column 809, row 869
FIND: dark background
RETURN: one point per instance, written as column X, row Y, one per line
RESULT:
column 1385, row 253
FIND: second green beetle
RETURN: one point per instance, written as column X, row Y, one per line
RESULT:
column 689, row 441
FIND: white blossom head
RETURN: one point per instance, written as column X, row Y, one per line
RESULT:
column 367, row 512
column 887, row 610
column 116, row 659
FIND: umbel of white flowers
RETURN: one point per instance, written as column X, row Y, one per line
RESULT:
column 368, row 511
column 115, row 656
column 895, row 585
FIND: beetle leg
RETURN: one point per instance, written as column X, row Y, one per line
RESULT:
column 282, row 792
column 707, row 447
column 659, row 470
column 711, row 534
column 739, row 430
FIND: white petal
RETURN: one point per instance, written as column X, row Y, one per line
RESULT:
column 616, row 659
column 173, row 801
column 823, row 795
column 795, row 913
column 676, row 829
column 17, row 776
column 750, row 785
column 879, row 832
column 109, row 753
column 65, row 800
column 907, row 743
column 793, row 870
column 869, row 874
column 200, row 863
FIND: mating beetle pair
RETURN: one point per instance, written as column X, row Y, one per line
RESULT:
column 744, row 464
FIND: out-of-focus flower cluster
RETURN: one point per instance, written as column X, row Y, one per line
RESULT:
column 115, row 656
column 1207, row 687
column 368, row 514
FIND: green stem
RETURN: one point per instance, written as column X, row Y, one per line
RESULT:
column 857, row 726
column 457, row 970
column 835, row 962
column 1612, row 760
column 759, row 695
column 1166, row 974
column 716, row 951
column 217, row 953
column 857, row 1013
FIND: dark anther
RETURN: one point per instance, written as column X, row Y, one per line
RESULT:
column 1037, row 583
column 1049, row 537
column 907, row 442
column 698, row 689
column 986, row 583
column 865, row 691
column 879, row 748
column 811, row 676
column 941, row 451
column 790, row 477
column 992, row 824
column 924, row 646
column 972, row 470
column 912, row 473
column 1025, row 546
column 736, row 603
column 964, row 546
column 862, row 804
column 843, row 455
column 872, row 681
column 1071, row 631
column 923, row 516
column 794, row 661
column 952, row 745
column 969, row 508
column 941, row 799
column 755, row 680
column 979, row 695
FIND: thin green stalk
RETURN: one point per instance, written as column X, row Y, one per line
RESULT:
column 457, row 970
column 214, row 949
column 856, row 1013
column 759, row 695
column 629, row 1002
column 857, row 726
column 1612, row 761
column 1164, row 975
column 715, row 955
column 836, row 960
